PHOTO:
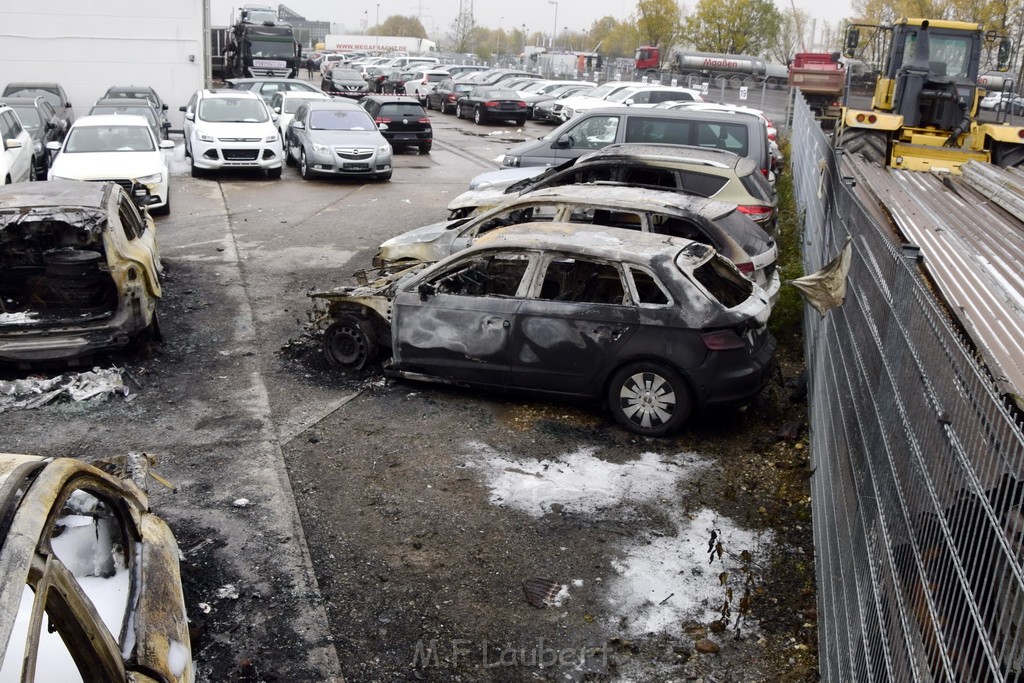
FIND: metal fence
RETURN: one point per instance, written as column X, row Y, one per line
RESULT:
column 917, row 486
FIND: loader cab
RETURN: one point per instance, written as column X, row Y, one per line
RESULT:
column 931, row 73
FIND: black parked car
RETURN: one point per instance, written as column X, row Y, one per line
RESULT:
column 492, row 104
column 656, row 326
column 446, row 94
column 143, row 108
column 342, row 82
column 143, row 92
column 41, row 122
column 394, row 84
column 51, row 92
column 402, row 121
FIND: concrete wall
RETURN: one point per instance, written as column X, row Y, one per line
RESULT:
column 89, row 46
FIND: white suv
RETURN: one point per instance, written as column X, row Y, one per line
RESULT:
column 16, row 149
column 231, row 129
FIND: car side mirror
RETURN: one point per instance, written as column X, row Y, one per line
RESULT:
column 53, row 146
column 297, row 124
column 166, row 144
column 182, row 108
column 564, row 141
column 164, row 107
column 382, row 126
column 426, row 290
column 12, row 144
column 277, row 110
column 628, row 102
column 852, row 40
column 274, row 117
column 190, row 116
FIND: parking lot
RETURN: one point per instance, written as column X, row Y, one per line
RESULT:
column 351, row 525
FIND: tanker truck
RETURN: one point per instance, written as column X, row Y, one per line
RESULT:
column 718, row 69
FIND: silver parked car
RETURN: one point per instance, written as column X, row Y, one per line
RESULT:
column 336, row 138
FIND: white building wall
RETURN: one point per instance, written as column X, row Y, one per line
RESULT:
column 89, row 45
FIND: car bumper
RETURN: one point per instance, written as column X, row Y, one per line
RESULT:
column 66, row 342
column 215, row 156
column 411, row 138
column 324, row 164
column 739, row 376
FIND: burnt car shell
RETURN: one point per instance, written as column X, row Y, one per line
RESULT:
column 532, row 340
column 79, row 270
column 69, row 534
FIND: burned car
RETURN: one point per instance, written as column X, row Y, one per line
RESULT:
column 79, row 271
column 655, row 325
column 732, row 233
column 92, row 587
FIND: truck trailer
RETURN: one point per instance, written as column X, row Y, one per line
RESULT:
column 821, row 77
column 719, row 69
column 369, row 43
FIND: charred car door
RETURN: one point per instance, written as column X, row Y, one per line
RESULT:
column 456, row 323
column 569, row 331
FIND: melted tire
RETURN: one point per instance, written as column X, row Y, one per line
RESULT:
column 350, row 343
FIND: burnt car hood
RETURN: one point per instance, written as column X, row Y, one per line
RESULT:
column 436, row 238
column 504, row 177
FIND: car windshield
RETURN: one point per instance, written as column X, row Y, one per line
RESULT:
column 502, row 94
column 144, row 112
column 29, row 117
column 50, row 97
column 346, row 74
column 232, row 110
column 136, row 95
column 603, row 90
column 109, row 139
column 338, row 119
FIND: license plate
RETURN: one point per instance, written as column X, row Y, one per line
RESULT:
column 356, row 167
column 405, row 136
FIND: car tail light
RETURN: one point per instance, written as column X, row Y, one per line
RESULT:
column 722, row 340
column 424, row 120
column 521, row 104
column 381, row 119
column 491, row 104
column 764, row 172
column 756, row 212
column 451, row 97
column 747, row 267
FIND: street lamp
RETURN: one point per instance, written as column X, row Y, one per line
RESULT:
column 554, row 27
column 376, row 30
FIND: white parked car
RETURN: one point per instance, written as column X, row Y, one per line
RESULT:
column 17, row 154
column 424, row 81
column 285, row 102
column 120, row 148
column 600, row 93
column 638, row 96
column 231, row 129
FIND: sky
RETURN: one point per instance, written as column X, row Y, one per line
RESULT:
column 538, row 15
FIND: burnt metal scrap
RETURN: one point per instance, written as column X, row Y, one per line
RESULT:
column 33, row 392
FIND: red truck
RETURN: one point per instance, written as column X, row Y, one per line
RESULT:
column 821, row 78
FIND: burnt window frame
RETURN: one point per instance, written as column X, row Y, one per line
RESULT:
column 540, row 276
column 634, row 291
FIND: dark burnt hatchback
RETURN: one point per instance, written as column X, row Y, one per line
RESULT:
column 402, row 121
column 657, row 326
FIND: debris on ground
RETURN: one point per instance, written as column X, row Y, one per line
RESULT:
column 33, row 392
column 544, row 592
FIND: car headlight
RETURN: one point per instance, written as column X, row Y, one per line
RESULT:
column 150, row 179
column 321, row 149
column 203, row 137
column 270, row 138
column 510, row 160
column 385, row 148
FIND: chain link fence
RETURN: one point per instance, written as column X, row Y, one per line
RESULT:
column 917, row 481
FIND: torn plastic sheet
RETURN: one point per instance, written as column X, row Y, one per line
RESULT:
column 826, row 289
column 26, row 394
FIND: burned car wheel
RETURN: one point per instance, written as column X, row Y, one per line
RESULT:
column 649, row 398
column 350, row 343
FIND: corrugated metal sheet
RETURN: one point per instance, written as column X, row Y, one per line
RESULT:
column 973, row 251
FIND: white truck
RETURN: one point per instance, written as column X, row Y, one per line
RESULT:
column 370, row 43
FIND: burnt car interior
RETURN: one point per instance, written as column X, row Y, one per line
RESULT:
column 582, row 281
column 90, row 566
column 54, row 266
column 494, row 275
column 722, row 282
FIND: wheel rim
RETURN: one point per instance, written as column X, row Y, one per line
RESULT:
column 477, row 117
column 647, row 399
column 302, row 163
column 347, row 346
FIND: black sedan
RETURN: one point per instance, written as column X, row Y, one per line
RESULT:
column 446, row 94
column 42, row 123
column 394, row 83
column 341, row 82
column 492, row 104
column 655, row 326
column 142, row 92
